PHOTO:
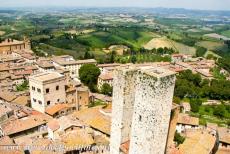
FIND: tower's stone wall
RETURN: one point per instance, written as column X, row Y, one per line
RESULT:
column 123, row 103
column 152, row 108
column 142, row 103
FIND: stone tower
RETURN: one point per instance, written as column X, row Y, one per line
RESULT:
column 123, row 103
column 142, row 103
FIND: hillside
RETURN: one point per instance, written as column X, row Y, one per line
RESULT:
column 164, row 42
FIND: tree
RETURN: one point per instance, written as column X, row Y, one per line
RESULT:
column 178, row 138
column 106, row 89
column 112, row 57
column 22, row 87
column 200, row 51
column 195, row 105
column 89, row 74
column 133, row 59
column 87, row 55
column 219, row 111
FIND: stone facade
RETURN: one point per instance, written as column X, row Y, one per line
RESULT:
column 47, row 89
column 9, row 45
column 142, row 103
column 123, row 103
column 82, row 98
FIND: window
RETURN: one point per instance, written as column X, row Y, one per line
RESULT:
column 47, row 90
column 34, row 100
column 33, row 88
column 140, row 117
column 39, row 90
column 57, row 87
column 40, row 102
column 48, row 102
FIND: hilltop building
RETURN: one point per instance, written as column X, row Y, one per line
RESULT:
column 142, row 101
column 47, row 89
column 7, row 46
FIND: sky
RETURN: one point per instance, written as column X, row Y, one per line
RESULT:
column 188, row 4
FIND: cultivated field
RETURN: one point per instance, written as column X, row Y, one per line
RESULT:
column 164, row 42
column 2, row 33
column 213, row 45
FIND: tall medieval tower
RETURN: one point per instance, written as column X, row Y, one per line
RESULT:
column 142, row 103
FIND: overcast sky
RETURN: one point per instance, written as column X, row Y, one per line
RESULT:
column 190, row 4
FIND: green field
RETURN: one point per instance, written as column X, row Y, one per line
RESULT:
column 211, row 53
column 102, row 39
column 226, row 33
column 213, row 45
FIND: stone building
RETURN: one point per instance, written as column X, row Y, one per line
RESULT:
column 9, row 45
column 105, row 78
column 185, row 122
column 142, row 102
column 82, row 98
column 47, row 89
column 68, row 62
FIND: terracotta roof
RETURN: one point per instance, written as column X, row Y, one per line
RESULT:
column 101, row 97
column 24, row 124
column 223, row 151
column 22, row 100
column 24, row 72
column 7, row 96
column 4, row 108
column 106, row 76
column 198, row 142
column 56, row 108
column 187, row 120
column 28, row 56
column 224, row 134
column 82, row 88
column 45, row 64
column 77, row 138
column 4, row 67
column 108, row 65
column 6, row 140
column 125, row 147
column 47, row 76
column 94, row 118
column 11, row 42
column 53, row 125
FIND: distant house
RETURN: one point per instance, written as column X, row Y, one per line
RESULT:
column 105, row 78
column 68, row 62
column 180, row 57
column 7, row 46
column 186, row 122
column 45, row 65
